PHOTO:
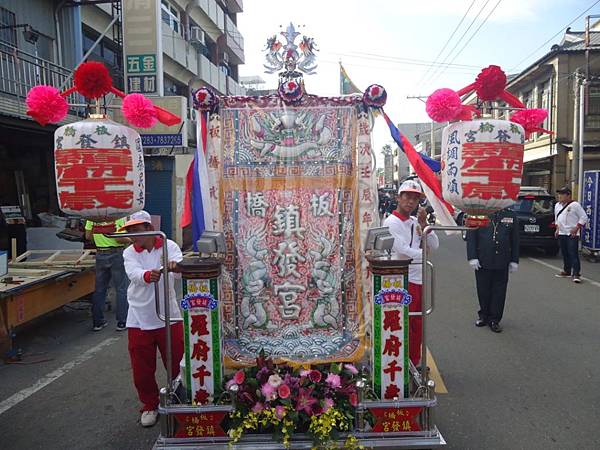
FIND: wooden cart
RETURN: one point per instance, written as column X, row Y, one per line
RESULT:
column 39, row 282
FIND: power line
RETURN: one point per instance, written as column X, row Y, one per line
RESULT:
column 394, row 66
column 555, row 35
column 431, row 78
column 473, row 35
column 447, row 42
column 390, row 58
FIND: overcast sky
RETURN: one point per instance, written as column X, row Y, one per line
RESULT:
column 393, row 42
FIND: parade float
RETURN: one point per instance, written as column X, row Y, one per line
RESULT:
column 295, row 317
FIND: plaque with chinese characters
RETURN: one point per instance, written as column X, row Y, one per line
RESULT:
column 296, row 195
column 390, row 336
column 203, row 365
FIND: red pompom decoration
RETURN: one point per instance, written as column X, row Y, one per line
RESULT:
column 490, row 83
column 530, row 120
column 443, row 105
column 139, row 111
column 45, row 105
column 92, row 80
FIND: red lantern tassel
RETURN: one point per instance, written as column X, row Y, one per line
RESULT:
column 165, row 117
column 511, row 100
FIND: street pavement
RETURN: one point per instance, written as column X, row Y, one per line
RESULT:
column 532, row 386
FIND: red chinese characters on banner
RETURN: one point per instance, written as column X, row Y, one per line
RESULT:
column 491, row 170
column 396, row 420
column 94, row 178
column 200, row 425
column 201, row 352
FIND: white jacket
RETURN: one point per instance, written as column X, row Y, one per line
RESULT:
column 570, row 217
column 140, row 294
column 407, row 241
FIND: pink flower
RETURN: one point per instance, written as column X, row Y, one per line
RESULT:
column 239, row 377
column 269, row 392
column 280, row 411
column 333, row 380
column 305, row 401
column 353, row 399
column 230, row 383
column 284, row 391
column 304, row 373
column 328, row 403
column 314, row 376
column 258, row 407
column 275, row 380
column 350, row 368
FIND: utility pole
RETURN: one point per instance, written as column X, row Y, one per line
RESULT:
column 431, row 125
column 576, row 130
column 582, row 87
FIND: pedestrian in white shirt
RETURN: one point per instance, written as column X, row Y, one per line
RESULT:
column 146, row 331
column 407, row 231
column 569, row 218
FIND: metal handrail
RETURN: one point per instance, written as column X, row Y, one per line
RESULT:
column 20, row 71
column 167, row 317
column 427, row 294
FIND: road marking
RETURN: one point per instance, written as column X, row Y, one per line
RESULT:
column 558, row 269
column 17, row 398
column 434, row 373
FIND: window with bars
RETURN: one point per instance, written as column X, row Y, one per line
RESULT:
column 592, row 119
column 8, row 35
column 170, row 16
column 544, row 103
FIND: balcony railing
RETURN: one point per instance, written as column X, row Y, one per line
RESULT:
column 20, row 71
column 235, row 40
column 234, row 88
column 214, row 13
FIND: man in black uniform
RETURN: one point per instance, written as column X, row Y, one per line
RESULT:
column 493, row 252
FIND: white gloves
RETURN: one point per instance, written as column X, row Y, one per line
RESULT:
column 513, row 267
column 474, row 263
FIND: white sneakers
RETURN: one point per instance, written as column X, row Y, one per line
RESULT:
column 149, row 418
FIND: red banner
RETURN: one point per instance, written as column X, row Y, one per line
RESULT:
column 200, row 425
column 396, row 420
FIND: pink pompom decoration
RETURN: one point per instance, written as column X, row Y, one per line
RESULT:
column 139, row 111
column 443, row 105
column 45, row 105
column 530, row 120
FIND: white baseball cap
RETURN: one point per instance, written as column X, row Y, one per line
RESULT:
column 136, row 218
column 411, row 186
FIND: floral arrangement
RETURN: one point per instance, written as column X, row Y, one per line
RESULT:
column 375, row 96
column 282, row 400
column 291, row 91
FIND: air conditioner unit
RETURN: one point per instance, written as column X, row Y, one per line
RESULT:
column 197, row 36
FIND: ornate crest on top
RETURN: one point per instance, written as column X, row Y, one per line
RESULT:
column 292, row 58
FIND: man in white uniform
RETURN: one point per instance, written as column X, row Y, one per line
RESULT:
column 569, row 218
column 407, row 231
column 146, row 331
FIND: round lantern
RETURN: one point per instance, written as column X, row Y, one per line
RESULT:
column 99, row 167
column 482, row 164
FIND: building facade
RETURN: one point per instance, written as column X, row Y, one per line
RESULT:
column 196, row 43
column 551, row 83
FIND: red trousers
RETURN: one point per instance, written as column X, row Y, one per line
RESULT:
column 142, row 351
column 415, row 324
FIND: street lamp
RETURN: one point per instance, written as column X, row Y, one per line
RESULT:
column 30, row 34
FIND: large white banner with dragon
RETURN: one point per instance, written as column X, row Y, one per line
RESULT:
column 295, row 195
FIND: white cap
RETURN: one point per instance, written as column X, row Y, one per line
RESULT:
column 410, row 186
column 136, row 218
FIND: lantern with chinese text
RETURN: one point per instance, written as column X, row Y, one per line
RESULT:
column 99, row 166
column 482, row 163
